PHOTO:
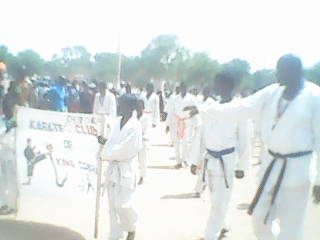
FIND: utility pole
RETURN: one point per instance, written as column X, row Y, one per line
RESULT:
column 117, row 85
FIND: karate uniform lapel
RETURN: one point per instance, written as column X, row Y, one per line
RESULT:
column 294, row 107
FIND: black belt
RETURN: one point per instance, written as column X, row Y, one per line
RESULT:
column 218, row 155
column 266, row 175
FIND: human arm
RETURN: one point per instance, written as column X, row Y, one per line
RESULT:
column 197, row 149
column 156, row 111
column 125, row 148
column 112, row 106
column 316, row 137
column 241, row 109
column 243, row 148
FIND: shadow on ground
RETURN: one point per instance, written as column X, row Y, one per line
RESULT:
column 19, row 230
column 243, row 206
column 163, row 167
column 162, row 145
column 180, row 196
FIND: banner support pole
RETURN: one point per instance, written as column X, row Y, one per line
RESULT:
column 98, row 193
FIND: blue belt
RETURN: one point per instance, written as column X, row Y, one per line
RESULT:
column 218, row 155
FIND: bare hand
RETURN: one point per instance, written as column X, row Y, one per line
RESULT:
column 49, row 148
column 239, row 174
column 193, row 110
column 316, row 194
column 194, row 169
column 102, row 140
column 140, row 181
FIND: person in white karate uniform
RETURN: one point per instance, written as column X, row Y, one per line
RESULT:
column 151, row 106
column 170, row 121
column 121, row 151
column 105, row 102
column 290, row 131
column 142, row 156
column 183, row 126
column 207, row 100
column 224, row 146
column 149, row 119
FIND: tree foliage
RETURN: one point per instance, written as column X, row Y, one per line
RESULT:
column 163, row 59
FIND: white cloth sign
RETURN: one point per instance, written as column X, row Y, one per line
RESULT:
column 57, row 167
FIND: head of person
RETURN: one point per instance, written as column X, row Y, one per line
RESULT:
column 289, row 70
column 183, row 89
column 128, row 88
column 62, row 81
column 206, row 92
column 102, row 87
column 195, row 91
column 127, row 104
column 177, row 90
column 75, row 84
column 84, row 86
column 224, row 84
column 149, row 88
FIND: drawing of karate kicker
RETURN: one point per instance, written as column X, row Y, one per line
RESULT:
column 55, row 168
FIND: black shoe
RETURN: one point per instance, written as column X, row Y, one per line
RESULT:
column 131, row 235
column 196, row 195
column 178, row 166
column 4, row 210
column 223, row 233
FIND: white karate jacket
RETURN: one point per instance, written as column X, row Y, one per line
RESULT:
column 121, row 152
column 218, row 134
column 108, row 107
column 152, row 108
column 297, row 130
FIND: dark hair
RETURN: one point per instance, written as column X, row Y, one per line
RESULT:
column 150, row 85
column 130, row 101
column 291, row 61
column 102, row 84
column 225, row 79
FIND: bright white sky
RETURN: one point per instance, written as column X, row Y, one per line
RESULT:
column 259, row 31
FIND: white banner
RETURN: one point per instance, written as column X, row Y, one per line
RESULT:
column 57, row 167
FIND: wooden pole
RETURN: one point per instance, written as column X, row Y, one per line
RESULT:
column 119, row 63
column 99, row 173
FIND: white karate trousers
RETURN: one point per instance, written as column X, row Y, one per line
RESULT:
column 199, row 188
column 182, row 149
column 220, row 197
column 289, row 209
column 123, row 216
column 142, row 157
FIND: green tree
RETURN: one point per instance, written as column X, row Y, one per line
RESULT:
column 313, row 74
column 178, row 67
column 105, row 66
column 77, row 61
column 26, row 63
column 241, row 71
column 55, row 67
column 201, row 69
column 156, row 58
column 262, row 78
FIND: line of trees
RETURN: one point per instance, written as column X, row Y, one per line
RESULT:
column 163, row 59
